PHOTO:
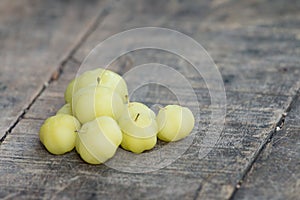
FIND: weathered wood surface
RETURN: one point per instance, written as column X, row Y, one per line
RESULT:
column 256, row 46
column 35, row 38
column 276, row 174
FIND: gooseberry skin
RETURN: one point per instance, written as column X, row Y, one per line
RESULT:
column 103, row 77
column 138, row 145
column 139, row 128
column 88, row 78
column 69, row 91
column 84, row 153
column 174, row 123
column 95, row 101
column 57, row 133
column 137, row 107
column 65, row 109
column 98, row 140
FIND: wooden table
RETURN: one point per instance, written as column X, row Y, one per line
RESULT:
column 256, row 46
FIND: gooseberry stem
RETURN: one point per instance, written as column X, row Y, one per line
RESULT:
column 127, row 99
column 137, row 116
column 98, row 80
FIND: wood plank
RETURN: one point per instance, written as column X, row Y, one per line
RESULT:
column 261, row 53
column 53, row 96
column 255, row 104
column 35, row 37
column 182, row 178
column 254, row 58
column 275, row 174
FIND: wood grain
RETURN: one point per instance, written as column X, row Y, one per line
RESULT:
column 35, row 38
column 257, row 52
column 258, row 65
column 275, row 174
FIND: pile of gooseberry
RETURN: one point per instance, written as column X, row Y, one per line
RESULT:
column 98, row 117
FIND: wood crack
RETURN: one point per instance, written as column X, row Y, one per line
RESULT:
column 24, row 111
column 56, row 74
column 262, row 147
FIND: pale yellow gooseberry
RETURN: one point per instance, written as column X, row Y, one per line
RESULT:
column 137, row 107
column 65, row 109
column 174, row 123
column 139, row 128
column 102, row 77
column 69, row 91
column 98, row 140
column 95, row 101
column 57, row 133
